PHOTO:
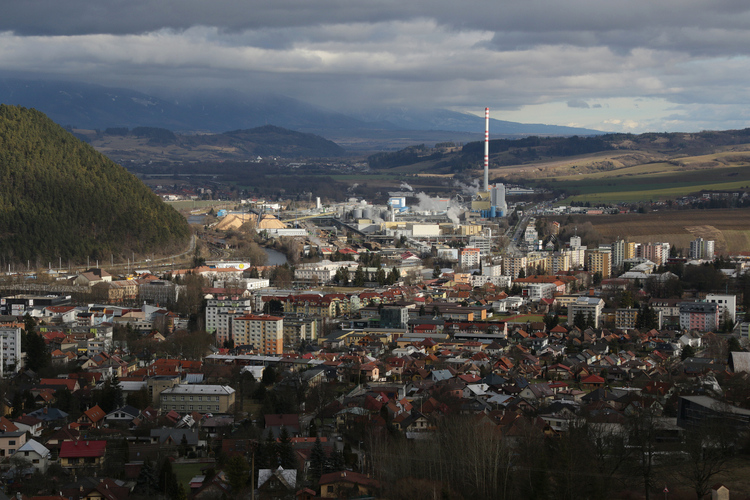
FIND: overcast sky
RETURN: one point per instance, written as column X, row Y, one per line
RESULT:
column 637, row 65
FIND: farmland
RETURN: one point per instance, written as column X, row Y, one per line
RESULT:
column 612, row 178
column 730, row 229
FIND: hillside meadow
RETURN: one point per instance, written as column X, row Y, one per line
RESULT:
column 729, row 228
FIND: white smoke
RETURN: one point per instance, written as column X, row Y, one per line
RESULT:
column 427, row 203
column 468, row 189
column 406, row 186
column 453, row 213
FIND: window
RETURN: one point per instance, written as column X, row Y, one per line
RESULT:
column 11, row 442
column 216, row 408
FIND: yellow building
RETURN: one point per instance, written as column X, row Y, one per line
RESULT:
column 264, row 332
column 600, row 262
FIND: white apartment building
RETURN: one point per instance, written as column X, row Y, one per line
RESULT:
column 479, row 280
column 470, row 257
column 489, row 270
column 538, row 291
column 483, row 244
column 323, row 271
column 701, row 249
column 219, row 313
column 727, row 304
column 248, row 284
column 12, row 356
column 586, row 306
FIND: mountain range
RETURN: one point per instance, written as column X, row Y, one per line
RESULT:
column 86, row 106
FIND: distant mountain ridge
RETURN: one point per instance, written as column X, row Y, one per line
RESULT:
column 90, row 106
column 155, row 144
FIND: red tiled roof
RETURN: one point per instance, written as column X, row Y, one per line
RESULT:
column 94, row 414
column 81, row 448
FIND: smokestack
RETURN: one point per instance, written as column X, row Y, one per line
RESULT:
column 486, row 149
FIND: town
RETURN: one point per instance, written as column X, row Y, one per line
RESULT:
column 398, row 350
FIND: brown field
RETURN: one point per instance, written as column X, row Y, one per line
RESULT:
column 730, row 229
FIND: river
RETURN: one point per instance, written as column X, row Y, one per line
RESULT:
column 275, row 258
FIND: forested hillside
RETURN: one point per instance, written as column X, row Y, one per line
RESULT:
column 59, row 198
column 504, row 152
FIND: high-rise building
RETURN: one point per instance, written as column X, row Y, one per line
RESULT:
column 219, row 315
column 700, row 316
column 513, row 265
column 727, row 305
column 618, row 253
column 588, row 307
column 600, row 261
column 264, row 332
column 702, row 249
column 469, row 257
column 10, row 361
column 653, row 252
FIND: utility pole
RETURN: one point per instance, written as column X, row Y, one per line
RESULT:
column 252, row 480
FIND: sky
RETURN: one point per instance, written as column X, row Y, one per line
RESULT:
column 635, row 66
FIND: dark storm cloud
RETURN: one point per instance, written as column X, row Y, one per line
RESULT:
column 340, row 53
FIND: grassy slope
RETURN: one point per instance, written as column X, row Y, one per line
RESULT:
column 729, row 228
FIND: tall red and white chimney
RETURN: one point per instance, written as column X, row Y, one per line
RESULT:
column 486, row 149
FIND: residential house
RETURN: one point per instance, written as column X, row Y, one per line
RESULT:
column 78, row 454
column 93, row 417
column 347, row 484
column 35, row 453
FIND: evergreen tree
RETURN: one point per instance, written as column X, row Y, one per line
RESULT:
column 146, row 483
column 317, row 461
column 37, row 356
column 270, row 452
column 687, row 352
column 168, row 480
column 393, row 276
column 287, row 459
column 647, row 318
column 238, row 472
column 335, row 462
column 381, row 277
column 579, row 320
column 590, row 322
column 111, row 394
column 359, row 277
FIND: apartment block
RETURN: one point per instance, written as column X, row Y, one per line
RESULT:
column 264, row 332
column 201, row 398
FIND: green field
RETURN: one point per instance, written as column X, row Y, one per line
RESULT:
column 648, row 183
column 186, row 472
